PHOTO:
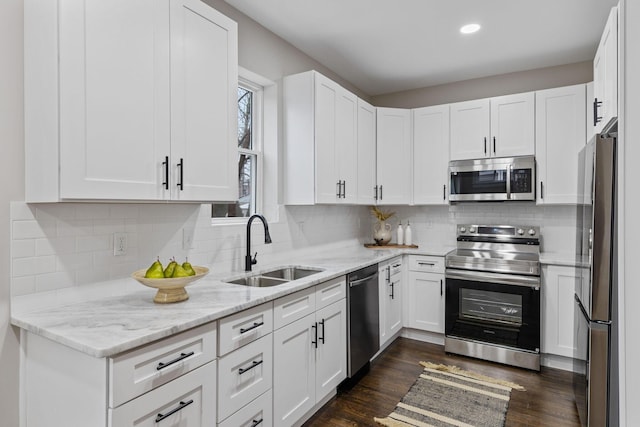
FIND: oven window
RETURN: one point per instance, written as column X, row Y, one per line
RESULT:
column 491, row 306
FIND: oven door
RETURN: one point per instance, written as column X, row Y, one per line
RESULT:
column 499, row 309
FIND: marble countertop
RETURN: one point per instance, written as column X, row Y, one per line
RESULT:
column 108, row 318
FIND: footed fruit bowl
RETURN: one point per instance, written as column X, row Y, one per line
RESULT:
column 170, row 289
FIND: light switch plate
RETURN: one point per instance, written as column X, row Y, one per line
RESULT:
column 119, row 244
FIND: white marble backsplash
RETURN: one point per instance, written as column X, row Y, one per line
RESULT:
column 60, row 245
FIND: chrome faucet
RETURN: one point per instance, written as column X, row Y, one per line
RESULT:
column 248, row 260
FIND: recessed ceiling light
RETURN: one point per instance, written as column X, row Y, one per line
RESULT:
column 469, row 28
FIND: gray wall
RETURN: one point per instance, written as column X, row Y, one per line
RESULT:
column 504, row 84
column 11, row 175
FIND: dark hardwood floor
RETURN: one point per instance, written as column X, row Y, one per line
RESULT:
column 547, row 401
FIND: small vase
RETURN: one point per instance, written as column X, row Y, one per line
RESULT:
column 382, row 233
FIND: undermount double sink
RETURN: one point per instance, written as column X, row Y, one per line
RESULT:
column 275, row 277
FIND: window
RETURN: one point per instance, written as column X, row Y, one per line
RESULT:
column 249, row 154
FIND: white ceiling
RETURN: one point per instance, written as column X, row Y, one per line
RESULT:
column 384, row 46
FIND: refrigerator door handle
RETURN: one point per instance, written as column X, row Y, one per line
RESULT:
column 586, row 315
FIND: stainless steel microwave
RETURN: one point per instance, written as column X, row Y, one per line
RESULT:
column 493, row 179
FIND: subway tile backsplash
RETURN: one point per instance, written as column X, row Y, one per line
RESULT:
column 61, row 245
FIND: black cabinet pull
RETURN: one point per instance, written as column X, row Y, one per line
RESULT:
column 180, row 407
column 541, row 190
column 444, row 192
column 338, row 187
column 375, row 193
column 344, row 189
column 494, row 145
column 166, row 172
column 392, row 288
column 256, row 422
column 181, row 166
column 596, row 105
column 255, row 325
column 440, row 287
column 182, row 356
column 485, row 145
column 253, row 365
column 322, row 337
column 381, row 192
column 315, row 331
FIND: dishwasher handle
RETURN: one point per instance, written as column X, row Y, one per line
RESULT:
column 361, row 281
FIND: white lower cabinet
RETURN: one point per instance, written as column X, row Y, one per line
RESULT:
column 171, row 382
column 390, row 291
column 188, row 401
column 558, row 288
column 425, row 294
column 309, row 353
column 257, row 413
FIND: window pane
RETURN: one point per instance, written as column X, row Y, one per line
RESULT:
column 245, row 104
column 246, row 191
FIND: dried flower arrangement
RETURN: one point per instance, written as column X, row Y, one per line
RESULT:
column 381, row 215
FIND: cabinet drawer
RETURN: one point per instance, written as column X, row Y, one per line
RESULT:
column 429, row 264
column 141, row 370
column 293, row 307
column 188, row 401
column 243, row 375
column 257, row 413
column 329, row 292
column 242, row 328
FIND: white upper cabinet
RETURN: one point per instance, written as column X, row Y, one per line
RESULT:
column 560, row 135
column 366, row 153
column 321, row 145
column 393, row 164
column 605, row 75
column 497, row 127
column 430, row 155
column 144, row 105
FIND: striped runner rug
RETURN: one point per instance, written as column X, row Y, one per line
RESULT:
column 449, row 396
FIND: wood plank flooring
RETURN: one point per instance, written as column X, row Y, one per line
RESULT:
column 547, row 401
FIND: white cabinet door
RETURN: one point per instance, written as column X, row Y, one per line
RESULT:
column 366, row 153
column 326, row 170
column 114, row 95
column 426, row 301
column 470, row 129
column 294, row 377
column 346, row 141
column 331, row 354
column 560, row 134
column 430, row 155
column 512, row 125
column 605, row 74
column 204, row 118
column 558, row 288
column 393, row 164
column 390, row 291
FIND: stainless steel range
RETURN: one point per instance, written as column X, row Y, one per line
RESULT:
column 492, row 300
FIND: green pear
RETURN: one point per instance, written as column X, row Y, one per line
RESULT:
column 168, row 272
column 178, row 271
column 155, row 270
column 188, row 268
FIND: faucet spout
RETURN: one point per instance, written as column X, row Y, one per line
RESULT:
column 248, row 260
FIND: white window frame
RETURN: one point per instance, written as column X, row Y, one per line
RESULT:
column 247, row 80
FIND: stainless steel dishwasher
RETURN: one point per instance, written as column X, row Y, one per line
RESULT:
column 364, row 318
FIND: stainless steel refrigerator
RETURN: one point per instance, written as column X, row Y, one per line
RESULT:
column 596, row 331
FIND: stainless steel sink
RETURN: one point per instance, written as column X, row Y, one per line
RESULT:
column 275, row 277
column 291, row 273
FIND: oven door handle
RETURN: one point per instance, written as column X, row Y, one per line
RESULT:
column 505, row 279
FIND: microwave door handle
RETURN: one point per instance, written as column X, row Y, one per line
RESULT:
column 509, row 181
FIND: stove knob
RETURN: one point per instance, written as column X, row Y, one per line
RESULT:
column 463, row 230
column 532, row 232
column 472, row 229
column 520, row 232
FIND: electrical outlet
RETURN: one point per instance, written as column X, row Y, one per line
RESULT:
column 187, row 238
column 119, row 244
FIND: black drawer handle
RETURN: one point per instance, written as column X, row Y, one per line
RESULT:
column 427, row 263
column 255, row 325
column 256, row 422
column 180, row 407
column 182, row 356
column 253, row 365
